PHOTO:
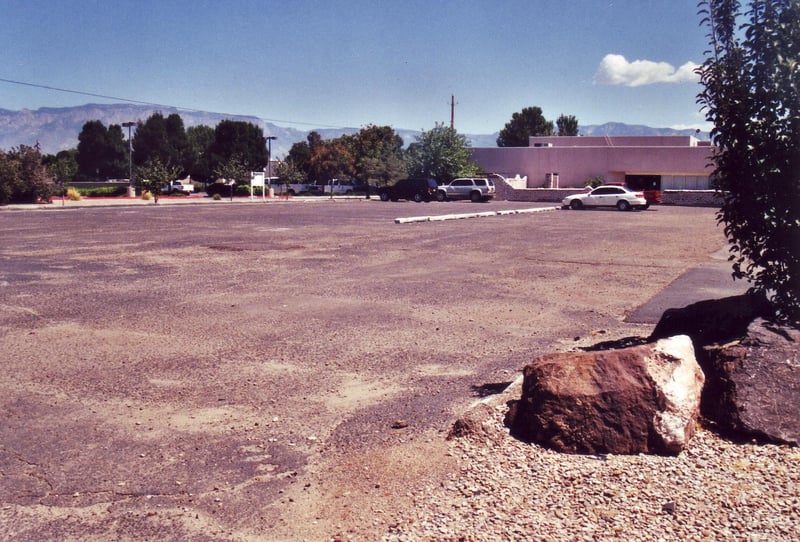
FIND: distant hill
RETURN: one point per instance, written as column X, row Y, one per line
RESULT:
column 57, row 128
column 620, row 129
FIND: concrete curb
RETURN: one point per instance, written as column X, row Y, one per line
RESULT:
column 483, row 214
column 172, row 200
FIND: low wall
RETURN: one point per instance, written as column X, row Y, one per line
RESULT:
column 687, row 198
column 691, row 198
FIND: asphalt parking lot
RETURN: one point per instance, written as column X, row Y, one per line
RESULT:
column 281, row 371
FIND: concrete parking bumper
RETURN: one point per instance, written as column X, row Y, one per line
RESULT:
column 483, row 214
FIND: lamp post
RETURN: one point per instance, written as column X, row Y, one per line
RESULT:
column 269, row 161
column 131, row 189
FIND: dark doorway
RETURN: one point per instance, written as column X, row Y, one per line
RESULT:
column 643, row 182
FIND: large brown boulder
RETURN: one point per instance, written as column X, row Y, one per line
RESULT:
column 642, row 399
column 753, row 384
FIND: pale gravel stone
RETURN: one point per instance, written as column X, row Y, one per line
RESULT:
column 509, row 490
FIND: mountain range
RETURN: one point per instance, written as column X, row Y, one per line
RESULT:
column 57, row 128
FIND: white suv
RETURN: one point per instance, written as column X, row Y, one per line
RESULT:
column 471, row 188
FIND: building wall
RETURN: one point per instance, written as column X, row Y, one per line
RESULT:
column 682, row 161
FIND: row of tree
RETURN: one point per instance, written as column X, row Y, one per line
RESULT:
column 376, row 155
column 199, row 151
column 163, row 147
column 233, row 149
column 373, row 154
column 531, row 122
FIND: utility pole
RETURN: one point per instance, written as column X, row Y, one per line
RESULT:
column 452, row 111
column 131, row 186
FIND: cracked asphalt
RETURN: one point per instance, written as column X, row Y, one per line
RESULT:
column 288, row 370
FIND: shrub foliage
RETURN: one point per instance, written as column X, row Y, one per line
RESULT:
column 751, row 80
column 23, row 178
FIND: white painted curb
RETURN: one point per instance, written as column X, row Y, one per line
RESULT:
column 440, row 218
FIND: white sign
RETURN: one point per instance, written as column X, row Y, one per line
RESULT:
column 257, row 178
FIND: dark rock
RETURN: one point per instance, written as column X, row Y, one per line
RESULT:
column 753, row 385
column 642, row 399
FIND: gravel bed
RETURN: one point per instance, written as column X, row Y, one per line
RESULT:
column 509, row 490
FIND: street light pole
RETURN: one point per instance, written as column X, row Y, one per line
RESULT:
column 131, row 189
column 269, row 161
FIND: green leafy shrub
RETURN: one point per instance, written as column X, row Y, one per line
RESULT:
column 23, row 177
column 104, row 191
column 594, row 182
column 751, row 94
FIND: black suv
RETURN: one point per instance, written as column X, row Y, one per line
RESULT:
column 416, row 189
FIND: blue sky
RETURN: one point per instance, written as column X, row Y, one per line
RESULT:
column 351, row 63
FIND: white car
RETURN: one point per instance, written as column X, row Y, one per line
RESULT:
column 607, row 196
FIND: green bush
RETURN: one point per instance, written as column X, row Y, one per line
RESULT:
column 751, row 80
column 104, row 192
column 594, row 182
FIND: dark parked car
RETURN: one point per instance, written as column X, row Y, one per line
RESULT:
column 410, row 189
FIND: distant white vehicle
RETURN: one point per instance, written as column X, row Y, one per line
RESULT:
column 292, row 189
column 607, row 196
column 340, row 187
column 178, row 187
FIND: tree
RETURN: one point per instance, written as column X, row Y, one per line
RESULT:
column 62, row 167
column 92, row 142
column 378, row 152
column 441, row 153
column 163, row 139
column 23, row 177
column 102, row 152
column 331, row 160
column 154, row 175
column 234, row 170
column 178, row 142
column 527, row 123
column 117, row 157
column 301, row 151
column 289, row 173
column 242, row 140
column 751, row 80
column 199, row 139
column 567, row 125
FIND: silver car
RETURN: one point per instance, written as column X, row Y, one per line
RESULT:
column 472, row 188
column 620, row 197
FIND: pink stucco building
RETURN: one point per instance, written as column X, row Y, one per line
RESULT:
column 659, row 162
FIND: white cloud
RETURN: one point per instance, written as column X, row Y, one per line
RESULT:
column 616, row 70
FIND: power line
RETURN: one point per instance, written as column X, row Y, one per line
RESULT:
column 152, row 104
